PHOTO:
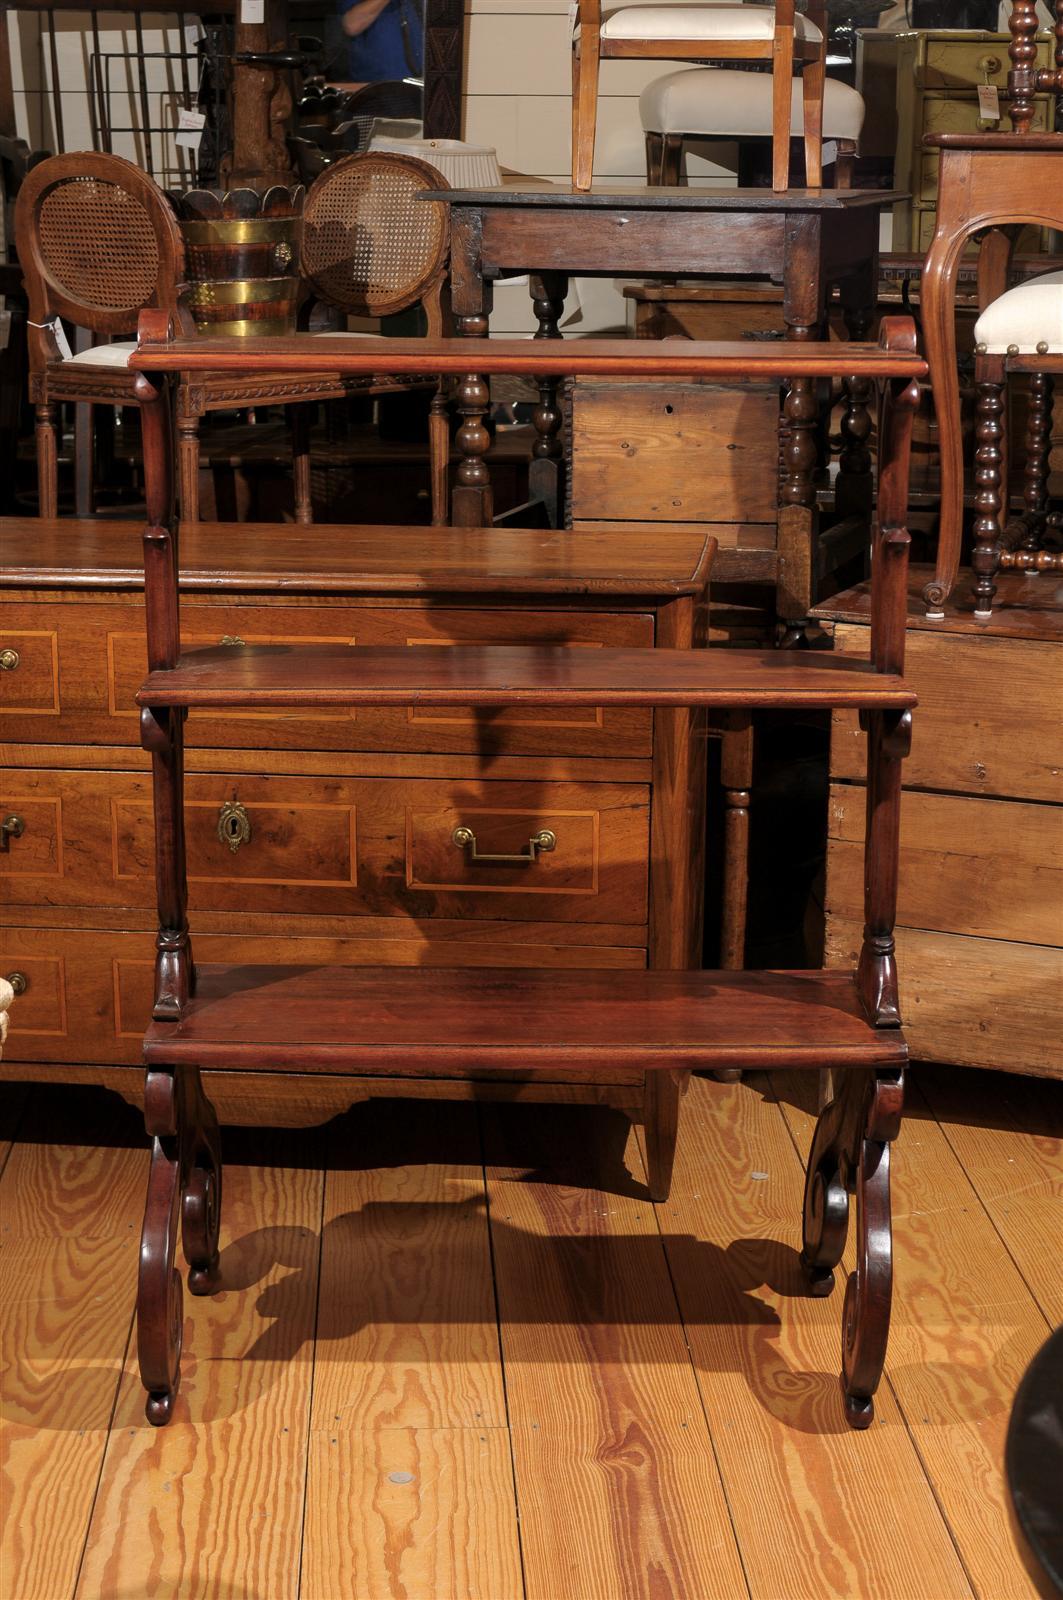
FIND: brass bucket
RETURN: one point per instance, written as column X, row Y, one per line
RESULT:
column 243, row 274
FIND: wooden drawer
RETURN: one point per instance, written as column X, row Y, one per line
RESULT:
column 88, row 994
column 990, row 868
column 972, row 1002
column 29, row 680
column 1005, row 695
column 959, row 114
column 102, row 662
column 688, row 453
column 965, row 63
column 336, row 846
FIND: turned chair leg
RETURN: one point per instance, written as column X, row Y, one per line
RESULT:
column 188, row 466
column 585, row 66
column 988, row 458
column 850, row 1156
column 1035, row 479
column 299, row 423
column 184, row 1192
column 47, row 460
column 665, row 1088
column 439, row 456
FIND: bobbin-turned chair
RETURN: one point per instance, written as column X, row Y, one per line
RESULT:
column 778, row 35
column 994, row 185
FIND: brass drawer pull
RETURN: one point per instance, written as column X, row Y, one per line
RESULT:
column 18, row 981
column 9, row 660
column 234, row 825
column 544, row 840
column 12, row 827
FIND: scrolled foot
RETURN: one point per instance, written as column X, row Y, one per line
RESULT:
column 819, row 1281
column 859, row 1410
column 159, row 1407
column 200, row 1222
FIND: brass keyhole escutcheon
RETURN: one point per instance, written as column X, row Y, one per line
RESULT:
column 9, row 660
column 234, row 825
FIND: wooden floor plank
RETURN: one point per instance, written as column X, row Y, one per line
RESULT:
column 212, row 1505
column 964, row 1328
column 69, row 1231
column 619, row 1494
column 807, row 1494
column 1007, row 1132
column 410, row 1486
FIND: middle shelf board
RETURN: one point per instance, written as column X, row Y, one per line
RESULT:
column 443, row 1021
column 506, row 675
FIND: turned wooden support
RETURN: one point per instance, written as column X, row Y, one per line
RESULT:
column 545, row 473
column 736, row 777
column 1038, row 450
column 1025, row 78
column 473, row 499
column 989, row 434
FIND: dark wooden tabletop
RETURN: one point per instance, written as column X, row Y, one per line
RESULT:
column 607, row 197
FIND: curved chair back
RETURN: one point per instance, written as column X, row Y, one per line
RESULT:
column 97, row 242
column 370, row 246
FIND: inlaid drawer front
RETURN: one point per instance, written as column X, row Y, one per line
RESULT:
column 337, row 846
column 103, row 981
column 40, row 1006
column 29, row 670
column 102, row 661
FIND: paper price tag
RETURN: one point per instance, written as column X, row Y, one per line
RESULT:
column 830, row 152
column 989, row 102
column 192, row 37
column 61, row 340
column 190, row 125
column 252, row 11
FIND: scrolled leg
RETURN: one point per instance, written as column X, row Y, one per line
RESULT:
column 850, row 1157
column 159, row 1311
column 201, row 1203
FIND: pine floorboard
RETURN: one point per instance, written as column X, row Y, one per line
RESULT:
column 460, row 1356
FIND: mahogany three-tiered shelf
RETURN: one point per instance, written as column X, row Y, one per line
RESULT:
column 453, row 1022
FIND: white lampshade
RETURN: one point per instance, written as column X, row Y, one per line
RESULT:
column 465, row 166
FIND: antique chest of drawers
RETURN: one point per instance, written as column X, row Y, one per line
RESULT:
column 933, row 79
column 980, row 912
column 367, row 837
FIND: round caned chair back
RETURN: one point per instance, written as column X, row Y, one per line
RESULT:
column 370, row 246
column 97, row 240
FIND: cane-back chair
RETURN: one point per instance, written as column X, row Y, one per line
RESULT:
column 705, row 30
column 994, row 185
column 97, row 243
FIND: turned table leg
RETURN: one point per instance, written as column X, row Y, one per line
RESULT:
column 545, row 475
column 472, row 500
column 803, row 311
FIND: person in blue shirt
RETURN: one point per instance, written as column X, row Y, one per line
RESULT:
column 386, row 39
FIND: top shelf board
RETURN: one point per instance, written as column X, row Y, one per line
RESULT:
column 645, row 197
column 620, row 358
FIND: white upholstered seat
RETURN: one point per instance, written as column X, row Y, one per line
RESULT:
column 1029, row 317
column 103, row 355
column 699, row 21
column 719, row 102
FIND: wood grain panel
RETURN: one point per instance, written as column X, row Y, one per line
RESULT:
column 972, row 1002
column 213, row 1504
column 31, row 688
column 608, row 1434
column 688, row 453
column 102, row 661
column 767, row 1359
column 967, row 736
column 1007, row 1133
column 328, row 845
column 965, row 1327
column 992, row 868
column 70, row 1234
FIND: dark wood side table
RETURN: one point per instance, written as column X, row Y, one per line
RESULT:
column 807, row 239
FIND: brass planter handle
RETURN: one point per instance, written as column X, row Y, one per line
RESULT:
column 9, row 660
column 542, row 841
column 12, row 827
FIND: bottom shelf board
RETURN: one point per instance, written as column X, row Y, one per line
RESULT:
column 449, row 1022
